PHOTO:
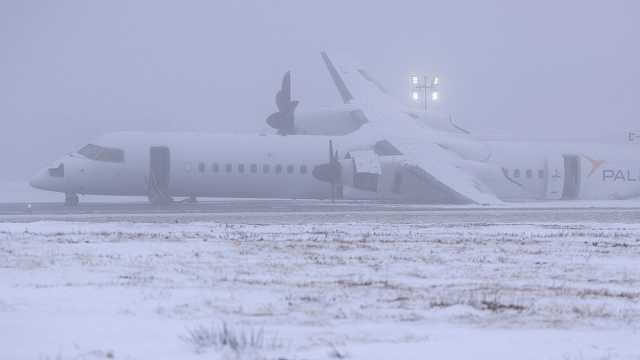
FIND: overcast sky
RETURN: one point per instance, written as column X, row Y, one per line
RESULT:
column 72, row 70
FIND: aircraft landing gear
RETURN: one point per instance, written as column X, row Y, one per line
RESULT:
column 71, row 199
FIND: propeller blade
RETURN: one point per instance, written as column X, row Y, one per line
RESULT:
column 284, row 119
column 283, row 97
column 331, row 172
column 330, row 151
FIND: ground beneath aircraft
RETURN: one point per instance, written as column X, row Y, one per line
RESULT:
column 284, row 211
column 410, row 283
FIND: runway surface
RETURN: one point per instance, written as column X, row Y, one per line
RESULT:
column 300, row 211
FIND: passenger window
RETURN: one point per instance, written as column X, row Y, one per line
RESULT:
column 228, row 167
column 215, row 167
column 266, row 168
column 289, row 169
column 541, row 174
column 278, row 169
column 241, row 168
column 254, row 168
column 303, row 169
column 516, row 173
column 529, row 173
column 201, row 167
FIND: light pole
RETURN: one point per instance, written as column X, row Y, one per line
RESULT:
column 428, row 88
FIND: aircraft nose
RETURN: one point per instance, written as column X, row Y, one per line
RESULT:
column 38, row 181
column 42, row 180
column 48, row 179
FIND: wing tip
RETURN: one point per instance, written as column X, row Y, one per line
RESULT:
column 345, row 94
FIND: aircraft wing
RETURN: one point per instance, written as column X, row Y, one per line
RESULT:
column 389, row 120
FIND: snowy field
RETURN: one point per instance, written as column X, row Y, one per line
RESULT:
column 365, row 290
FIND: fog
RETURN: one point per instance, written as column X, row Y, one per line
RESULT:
column 72, row 70
column 395, row 242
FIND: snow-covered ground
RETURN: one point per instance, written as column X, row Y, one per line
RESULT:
column 78, row 290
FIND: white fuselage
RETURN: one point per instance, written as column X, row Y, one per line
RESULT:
column 271, row 166
column 554, row 170
column 209, row 165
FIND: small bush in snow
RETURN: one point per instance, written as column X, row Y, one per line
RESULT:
column 337, row 354
column 223, row 337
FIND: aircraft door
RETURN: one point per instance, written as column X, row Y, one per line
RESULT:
column 554, row 170
column 571, row 188
column 159, row 175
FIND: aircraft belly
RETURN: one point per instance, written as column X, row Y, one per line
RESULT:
column 250, row 185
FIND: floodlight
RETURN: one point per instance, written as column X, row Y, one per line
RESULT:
column 415, row 80
column 435, row 96
column 415, row 96
column 436, row 81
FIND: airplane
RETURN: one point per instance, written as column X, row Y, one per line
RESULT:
column 372, row 147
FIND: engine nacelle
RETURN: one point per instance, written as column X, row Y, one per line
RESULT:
column 365, row 175
column 335, row 121
column 364, row 171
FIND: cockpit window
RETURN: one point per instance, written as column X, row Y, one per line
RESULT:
column 100, row 153
column 57, row 171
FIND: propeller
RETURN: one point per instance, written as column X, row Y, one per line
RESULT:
column 331, row 172
column 283, row 119
column 336, row 173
